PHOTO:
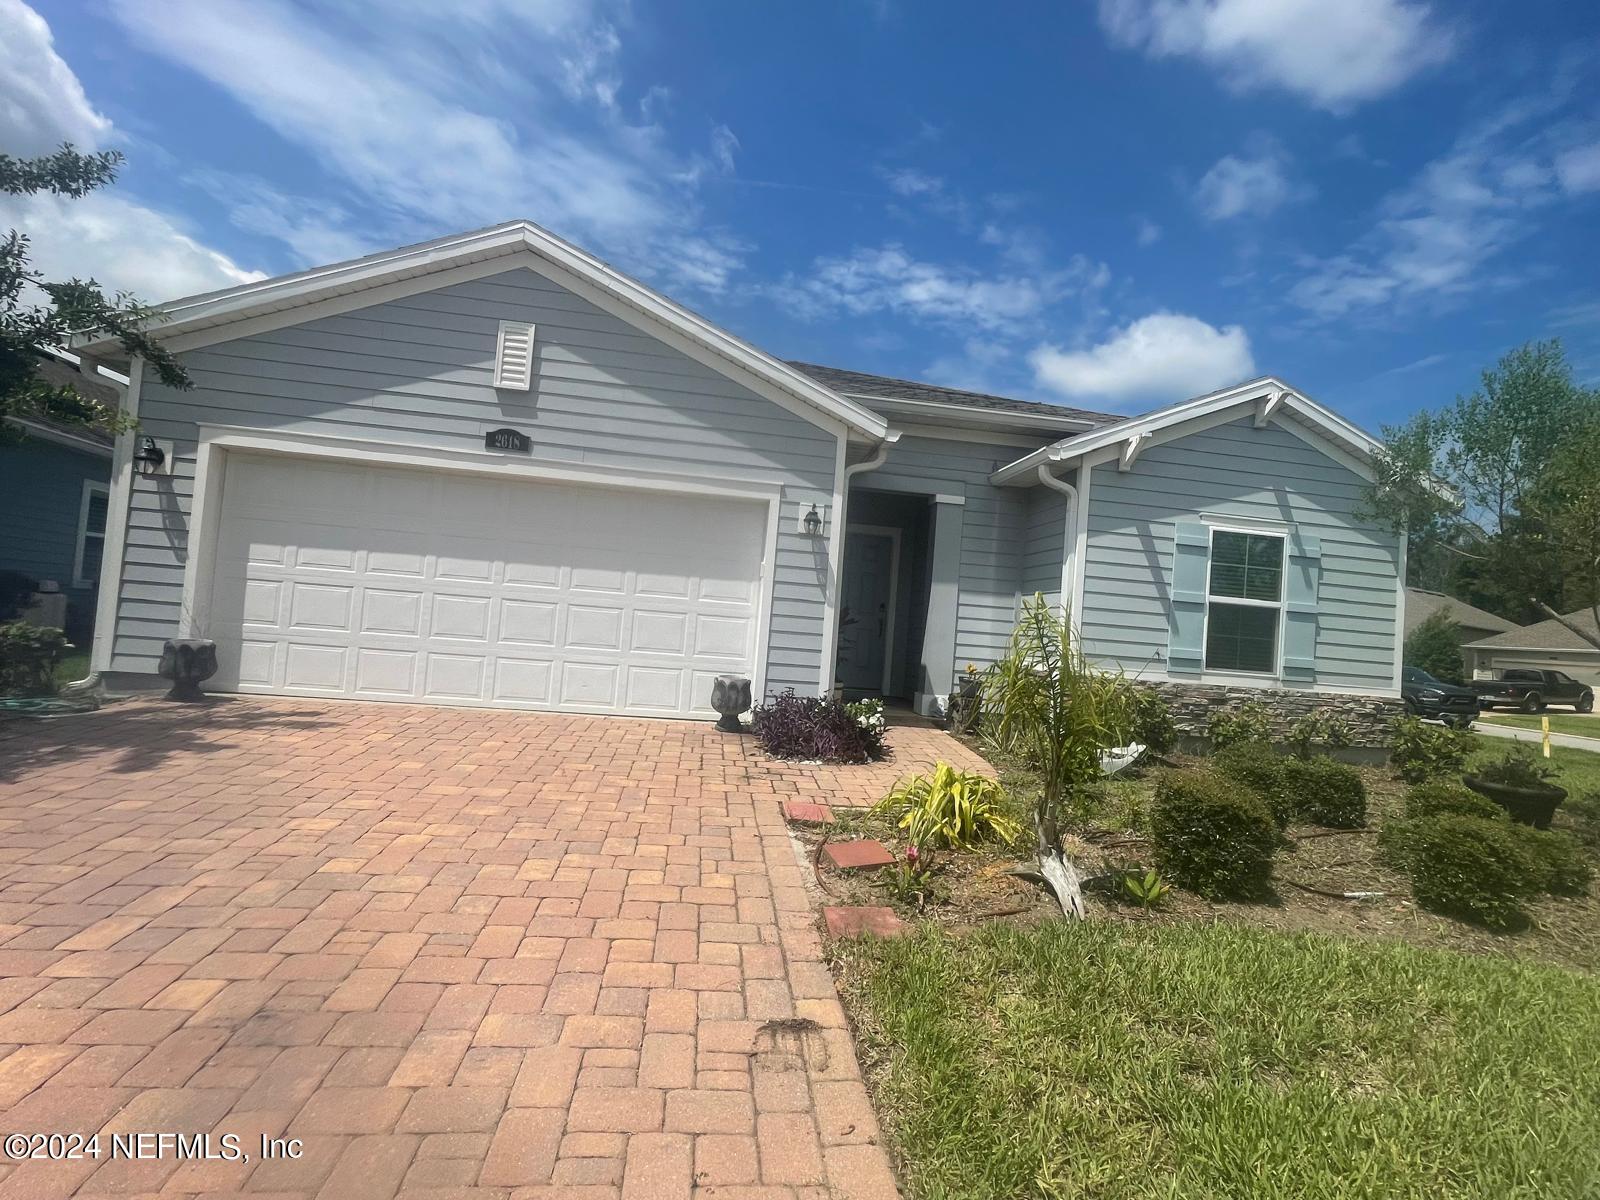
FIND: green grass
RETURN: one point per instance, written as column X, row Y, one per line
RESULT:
column 73, row 667
column 1122, row 1061
column 1559, row 723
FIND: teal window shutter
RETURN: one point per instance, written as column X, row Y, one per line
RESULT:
column 1300, row 610
column 1186, row 613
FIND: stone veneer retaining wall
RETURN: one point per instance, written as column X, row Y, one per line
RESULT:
column 1194, row 704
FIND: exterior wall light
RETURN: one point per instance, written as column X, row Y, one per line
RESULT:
column 813, row 522
column 149, row 458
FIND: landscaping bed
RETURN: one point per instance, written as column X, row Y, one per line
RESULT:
column 1172, row 1059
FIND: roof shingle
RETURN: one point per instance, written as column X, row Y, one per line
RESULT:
column 856, row 383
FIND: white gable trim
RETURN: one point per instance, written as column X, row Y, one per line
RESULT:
column 293, row 299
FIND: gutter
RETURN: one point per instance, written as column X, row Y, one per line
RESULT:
column 879, row 457
column 1069, row 554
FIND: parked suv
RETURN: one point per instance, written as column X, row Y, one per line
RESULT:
column 1531, row 690
column 1429, row 697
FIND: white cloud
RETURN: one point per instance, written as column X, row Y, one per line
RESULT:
column 1236, row 187
column 888, row 279
column 1146, row 232
column 119, row 243
column 1332, row 53
column 1579, row 169
column 907, row 181
column 534, row 129
column 42, row 104
column 1165, row 356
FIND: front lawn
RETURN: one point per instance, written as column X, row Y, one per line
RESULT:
column 73, row 667
column 1121, row 1060
column 1559, row 723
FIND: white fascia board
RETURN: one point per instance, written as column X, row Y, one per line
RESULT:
column 1242, row 396
column 961, row 414
column 61, row 437
column 217, row 309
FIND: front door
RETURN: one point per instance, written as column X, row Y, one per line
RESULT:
column 866, row 614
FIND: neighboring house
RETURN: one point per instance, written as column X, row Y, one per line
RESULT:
column 1547, row 645
column 1474, row 623
column 492, row 470
column 54, row 488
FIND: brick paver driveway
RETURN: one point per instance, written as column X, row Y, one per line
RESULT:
column 456, row 953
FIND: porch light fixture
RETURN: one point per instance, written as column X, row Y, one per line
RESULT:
column 149, row 458
column 813, row 522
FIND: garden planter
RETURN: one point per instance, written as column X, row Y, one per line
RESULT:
column 1529, row 805
column 730, row 696
column 188, row 662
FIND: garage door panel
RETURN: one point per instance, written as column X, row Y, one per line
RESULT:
column 640, row 617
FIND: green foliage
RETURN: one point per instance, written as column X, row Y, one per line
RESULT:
column 1434, row 646
column 868, row 714
column 1584, row 811
column 1518, row 767
column 28, row 658
column 1197, row 1060
column 1145, row 888
column 1561, row 866
column 1211, row 835
column 1153, row 726
column 1043, row 703
column 1319, row 728
column 1325, row 792
column 28, row 326
column 912, row 881
column 949, row 808
column 1260, row 768
column 1251, row 722
column 1422, row 751
column 1465, row 867
column 1439, row 796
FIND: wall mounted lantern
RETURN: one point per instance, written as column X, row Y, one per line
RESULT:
column 813, row 522
column 149, row 458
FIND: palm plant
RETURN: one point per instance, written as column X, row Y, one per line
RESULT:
column 1045, row 703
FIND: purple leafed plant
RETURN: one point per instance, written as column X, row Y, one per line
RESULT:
column 812, row 728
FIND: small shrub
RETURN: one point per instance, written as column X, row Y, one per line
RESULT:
column 1319, row 729
column 1561, row 865
column 1584, row 811
column 815, row 728
column 1325, row 792
column 911, row 881
column 868, row 714
column 1438, row 797
column 1153, row 726
column 1252, row 722
column 1518, row 767
column 1146, row 888
column 1471, row 868
column 1261, row 769
column 28, row 658
column 950, row 808
column 1423, row 752
column 1211, row 835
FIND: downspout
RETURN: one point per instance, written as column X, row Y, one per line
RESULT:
column 1068, row 547
column 879, row 457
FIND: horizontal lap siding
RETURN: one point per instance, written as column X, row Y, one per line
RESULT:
column 41, row 495
column 418, row 372
column 1044, row 544
column 1238, row 470
column 992, row 532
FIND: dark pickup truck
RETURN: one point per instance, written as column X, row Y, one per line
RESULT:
column 1429, row 697
column 1532, row 690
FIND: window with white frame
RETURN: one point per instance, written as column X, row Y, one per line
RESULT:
column 91, row 534
column 1244, row 601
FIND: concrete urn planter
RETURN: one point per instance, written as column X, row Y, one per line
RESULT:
column 730, row 696
column 188, row 662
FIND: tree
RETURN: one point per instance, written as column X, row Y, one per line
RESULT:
column 1463, row 483
column 1435, row 647
column 37, row 315
column 1567, row 504
column 1044, row 702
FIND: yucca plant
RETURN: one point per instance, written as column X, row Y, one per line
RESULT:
column 1047, row 704
column 949, row 808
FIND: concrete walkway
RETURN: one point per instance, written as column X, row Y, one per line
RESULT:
column 466, row 954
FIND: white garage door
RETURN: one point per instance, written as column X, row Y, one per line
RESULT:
column 388, row 584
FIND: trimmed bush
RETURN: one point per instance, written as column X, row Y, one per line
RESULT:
column 1471, row 868
column 1563, row 868
column 1440, row 796
column 1421, row 752
column 28, row 658
column 812, row 728
column 1259, row 768
column 1153, row 726
column 1211, row 835
column 1325, row 792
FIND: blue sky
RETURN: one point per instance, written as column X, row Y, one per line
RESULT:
column 1111, row 204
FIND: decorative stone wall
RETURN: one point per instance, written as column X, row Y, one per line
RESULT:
column 1194, row 704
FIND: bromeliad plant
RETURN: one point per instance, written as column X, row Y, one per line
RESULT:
column 949, row 808
column 1045, row 703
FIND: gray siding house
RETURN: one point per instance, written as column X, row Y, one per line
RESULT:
column 492, row 470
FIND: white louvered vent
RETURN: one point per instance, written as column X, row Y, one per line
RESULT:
column 513, row 356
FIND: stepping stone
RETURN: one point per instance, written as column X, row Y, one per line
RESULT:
column 803, row 812
column 854, row 856
column 847, row 922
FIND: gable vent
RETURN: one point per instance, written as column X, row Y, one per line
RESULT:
column 513, row 356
